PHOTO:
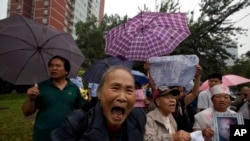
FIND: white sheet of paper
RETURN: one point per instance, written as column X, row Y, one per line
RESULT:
column 176, row 70
column 196, row 136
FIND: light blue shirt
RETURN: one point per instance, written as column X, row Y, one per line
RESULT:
column 93, row 87
column 78, row 81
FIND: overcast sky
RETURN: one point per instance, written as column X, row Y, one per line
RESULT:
column 131, row 8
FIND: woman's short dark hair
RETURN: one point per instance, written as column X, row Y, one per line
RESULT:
column 64, row 60
column 215, row 75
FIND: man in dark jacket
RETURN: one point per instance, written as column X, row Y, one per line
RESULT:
column 113, row 118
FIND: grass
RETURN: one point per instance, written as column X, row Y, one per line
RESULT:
column 13, row 125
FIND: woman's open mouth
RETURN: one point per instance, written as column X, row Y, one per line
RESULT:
column 118, row 112
column 172, row 105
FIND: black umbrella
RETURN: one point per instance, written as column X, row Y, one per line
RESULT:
column 27, row 46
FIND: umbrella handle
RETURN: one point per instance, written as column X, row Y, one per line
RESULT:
column 34, row 95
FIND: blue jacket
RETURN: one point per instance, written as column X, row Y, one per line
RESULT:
column 91, row 126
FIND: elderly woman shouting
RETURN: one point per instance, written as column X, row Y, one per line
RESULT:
column 114, row 118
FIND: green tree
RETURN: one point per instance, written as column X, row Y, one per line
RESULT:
column 241, row 67
column 170, row 6
column 248, row 54
column 89, row 39
column 212, row 33
column 90, row 36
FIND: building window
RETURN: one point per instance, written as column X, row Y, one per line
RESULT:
column 46, row 3
column 45, row 12
column 45, row 21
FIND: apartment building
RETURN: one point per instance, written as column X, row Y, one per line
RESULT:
column 59, row 14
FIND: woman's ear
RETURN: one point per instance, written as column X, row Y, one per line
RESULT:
column 157, row 101
column 99, row 95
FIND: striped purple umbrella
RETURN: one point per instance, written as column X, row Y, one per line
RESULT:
column 94, row 73
column 149, row 34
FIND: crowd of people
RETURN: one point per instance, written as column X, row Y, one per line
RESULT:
column 119, row 108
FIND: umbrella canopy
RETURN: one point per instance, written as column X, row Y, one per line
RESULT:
column 27, row 46
column 94, row 73
column 139, row 77
column 229, row 80
column 146, row 35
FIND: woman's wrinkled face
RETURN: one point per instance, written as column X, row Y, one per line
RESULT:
column 166, row 104
column 117, row 96
column 221, row 102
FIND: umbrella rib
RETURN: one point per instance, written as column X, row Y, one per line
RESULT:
column 30, row 30
column 59, row 49
column 52, row 38
column 150, row 20
column 54, row 47
column 34, row 44
column 21, row 70
column 153, row 19
column 160, row 39
column 45, row 65
column 141, row 18
column 18, row 39
column 14, row 51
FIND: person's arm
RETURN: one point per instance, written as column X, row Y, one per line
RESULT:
column 206, row 132
column 181, row 135
column 72, row 128
column 199, row 109
column 89, row 94
column 89, row 91
column 238, row 101
column 28, row 107
column 80, row 82
column 202, row 102
column 151, row 83
column 195, row 91
column 199, row 125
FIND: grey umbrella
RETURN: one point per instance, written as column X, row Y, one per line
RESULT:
column 27, row 46
column 94, row 73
